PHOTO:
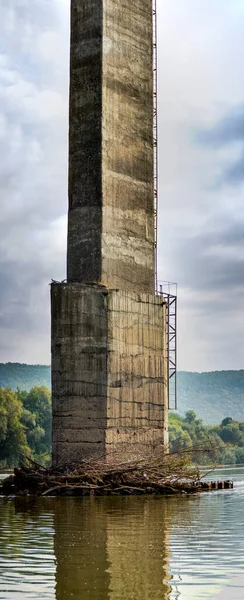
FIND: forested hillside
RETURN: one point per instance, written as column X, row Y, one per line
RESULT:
column 25, row 432
column 24, row 377
column 213, row 396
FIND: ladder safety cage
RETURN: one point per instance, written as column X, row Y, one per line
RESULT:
column 169, row 293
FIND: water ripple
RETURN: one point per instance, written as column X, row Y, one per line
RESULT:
column 177, row 548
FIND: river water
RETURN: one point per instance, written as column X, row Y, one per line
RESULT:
column 152, row 548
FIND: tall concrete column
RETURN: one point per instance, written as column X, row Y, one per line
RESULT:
column 109, row 364
column 111, row 208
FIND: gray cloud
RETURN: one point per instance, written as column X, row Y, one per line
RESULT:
column 235, row 174
column 227, row 132
column 209, row 268
column 200, row 195
column 208, row 272
column 33, row 171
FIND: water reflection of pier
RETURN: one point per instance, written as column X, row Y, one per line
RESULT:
column 118, row 548
column 111, row 548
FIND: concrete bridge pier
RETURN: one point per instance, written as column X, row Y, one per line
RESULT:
column 109, row 363
column 108, row 372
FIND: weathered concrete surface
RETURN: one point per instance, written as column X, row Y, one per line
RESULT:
column 79, row 371
column 109, row 364
column 85, row 142
column 109, row 375
column 137, row 371
column 111, row 207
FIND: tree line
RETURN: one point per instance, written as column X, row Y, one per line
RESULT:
column 222, row 444
column 25, row 430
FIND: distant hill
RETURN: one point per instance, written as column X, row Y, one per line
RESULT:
column 213, row 396
column 18, row 375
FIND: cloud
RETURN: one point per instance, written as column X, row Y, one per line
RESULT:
column 33, row 171
column 201, row 89
column 227, row 132
column 201, row 226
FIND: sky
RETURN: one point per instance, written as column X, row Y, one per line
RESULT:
column 201, row 174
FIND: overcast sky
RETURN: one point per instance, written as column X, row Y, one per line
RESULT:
column 201, row 164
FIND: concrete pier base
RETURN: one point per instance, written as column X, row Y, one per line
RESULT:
column 109, row 371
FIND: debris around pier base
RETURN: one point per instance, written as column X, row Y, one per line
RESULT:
column 156, row 474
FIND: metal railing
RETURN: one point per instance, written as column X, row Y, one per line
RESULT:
column 169, row 293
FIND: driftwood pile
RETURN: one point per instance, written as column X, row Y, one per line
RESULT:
column 156, row 474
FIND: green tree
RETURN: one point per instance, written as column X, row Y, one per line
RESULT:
column 229, row 456
column 37, row 420
column 239, row 456
column 226, row 421
column 190, row 417
column 178, row 438
column 231, row 434
column 174, row 417
column 13, row 442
